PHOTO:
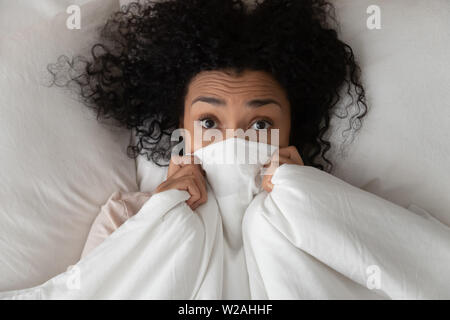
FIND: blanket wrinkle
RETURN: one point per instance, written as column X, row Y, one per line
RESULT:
column 295, row 243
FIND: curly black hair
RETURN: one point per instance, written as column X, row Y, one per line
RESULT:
column 138, row 73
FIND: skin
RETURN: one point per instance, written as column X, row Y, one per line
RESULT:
column 219, row 100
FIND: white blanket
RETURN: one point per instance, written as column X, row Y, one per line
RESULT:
column 313, row 237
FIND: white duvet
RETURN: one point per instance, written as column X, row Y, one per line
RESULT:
column 313, row 237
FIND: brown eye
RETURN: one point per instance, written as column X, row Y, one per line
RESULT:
column 261, row 125
column 208, row 123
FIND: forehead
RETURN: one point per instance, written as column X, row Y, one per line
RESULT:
column 249, row 84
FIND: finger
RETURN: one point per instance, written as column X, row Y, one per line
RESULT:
column 191, row 160
column 174, row 165
column 274, row 160
column 201, row 183
column 188, row 170
column 162, row 187
column 279, row 159
column 186, row 183
column 189, row 184
column 187, row 160
column 204, row 194
column 270, row 168
column 196, row 172
column 177, row 162
column 292, row 153
column 287, row 160
column 175, row 183
column 267, row 183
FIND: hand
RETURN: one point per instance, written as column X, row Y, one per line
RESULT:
column 184, row 174
column 288, row 155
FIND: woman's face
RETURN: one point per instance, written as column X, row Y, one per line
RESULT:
column 217, row 101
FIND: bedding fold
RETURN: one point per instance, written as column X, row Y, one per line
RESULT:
column 313, row 237
column 335, row 241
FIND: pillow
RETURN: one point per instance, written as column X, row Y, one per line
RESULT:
column 20, row 14
column 59, row 165
column 403, row 149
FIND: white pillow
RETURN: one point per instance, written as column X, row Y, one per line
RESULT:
column 20, row 14
column 403, row 149
column 59, row 165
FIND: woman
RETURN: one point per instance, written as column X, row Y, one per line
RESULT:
column 220, row 65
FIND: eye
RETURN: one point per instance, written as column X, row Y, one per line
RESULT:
column 261, row 125
column 208, row 123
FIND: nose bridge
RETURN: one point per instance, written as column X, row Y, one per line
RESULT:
column 235, row 114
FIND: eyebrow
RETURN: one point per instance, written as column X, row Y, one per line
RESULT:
column 252, row 103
